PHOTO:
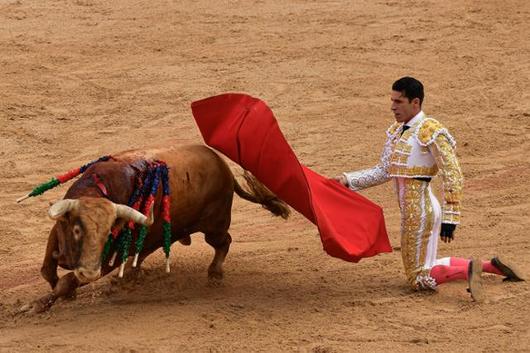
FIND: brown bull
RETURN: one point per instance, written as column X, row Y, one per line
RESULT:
column 202, row 188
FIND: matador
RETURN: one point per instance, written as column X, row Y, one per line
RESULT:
column 418, row 148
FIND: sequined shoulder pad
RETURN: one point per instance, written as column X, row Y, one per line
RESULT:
column 391, row 131
column 430, row 129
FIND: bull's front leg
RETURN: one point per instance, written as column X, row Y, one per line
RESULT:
column 65, row 288
column 49, row 265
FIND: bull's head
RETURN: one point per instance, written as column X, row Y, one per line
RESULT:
column 83, row 226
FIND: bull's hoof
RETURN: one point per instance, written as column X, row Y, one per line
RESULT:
column 215, row 278
column 26, row 308
column 214, row 282
column 36, row 307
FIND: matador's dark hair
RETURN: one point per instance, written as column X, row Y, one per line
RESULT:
column 410, row 87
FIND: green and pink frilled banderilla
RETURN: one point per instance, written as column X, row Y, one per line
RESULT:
column 61, row 179
column 143, row 199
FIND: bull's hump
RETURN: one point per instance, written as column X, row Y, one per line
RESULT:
column 158, row 152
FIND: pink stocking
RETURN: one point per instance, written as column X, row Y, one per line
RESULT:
column 443, row 274
column 486, row 265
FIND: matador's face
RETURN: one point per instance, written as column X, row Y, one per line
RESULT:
column 403, row 109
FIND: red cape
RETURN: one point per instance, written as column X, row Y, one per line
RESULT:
column 244, row 129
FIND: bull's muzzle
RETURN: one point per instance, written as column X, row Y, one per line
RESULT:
column 85, row 275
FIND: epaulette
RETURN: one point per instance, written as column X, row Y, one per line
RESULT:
column 430, row 129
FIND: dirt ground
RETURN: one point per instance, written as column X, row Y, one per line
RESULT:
column 81, row 78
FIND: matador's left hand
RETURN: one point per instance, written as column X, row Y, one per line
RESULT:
column 447, row 232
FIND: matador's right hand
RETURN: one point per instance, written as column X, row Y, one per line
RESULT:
column 341, row 179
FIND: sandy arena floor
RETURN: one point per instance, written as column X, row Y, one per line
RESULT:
column 83, row 78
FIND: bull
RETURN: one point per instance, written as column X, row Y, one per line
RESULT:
column 202, row 187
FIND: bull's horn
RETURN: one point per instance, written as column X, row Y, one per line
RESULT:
column 127, row 212
column 61, row 207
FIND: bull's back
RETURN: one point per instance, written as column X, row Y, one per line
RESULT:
column 201, row 184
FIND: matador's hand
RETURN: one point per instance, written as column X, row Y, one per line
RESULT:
column 447, row 232
column 341, row 179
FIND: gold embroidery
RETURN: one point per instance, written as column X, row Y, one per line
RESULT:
column 403, row 147
column 451, row 213
column 453, row 196
column 393, row 128
column 428, row 226
column 451, row 218
column 428, row 130
column 416, row 228
column 399, row 158
column 452, row 207
column 404, row 171
column 449, row 167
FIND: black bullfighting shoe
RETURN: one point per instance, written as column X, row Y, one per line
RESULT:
column 507, row 269
column 474, row 272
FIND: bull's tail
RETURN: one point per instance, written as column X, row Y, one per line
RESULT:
column 259, row 193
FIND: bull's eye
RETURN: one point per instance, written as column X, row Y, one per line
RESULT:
column 77, row 232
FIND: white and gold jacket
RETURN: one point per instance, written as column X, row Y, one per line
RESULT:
column 423, row 150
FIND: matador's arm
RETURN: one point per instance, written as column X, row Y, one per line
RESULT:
column 362, row 179
column 442, row 146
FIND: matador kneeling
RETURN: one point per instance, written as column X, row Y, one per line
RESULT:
column 417, row 149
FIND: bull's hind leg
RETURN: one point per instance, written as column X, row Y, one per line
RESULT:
column 221, row 243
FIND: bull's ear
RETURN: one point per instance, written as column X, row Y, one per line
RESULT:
column 120, row 223
column 59, row 209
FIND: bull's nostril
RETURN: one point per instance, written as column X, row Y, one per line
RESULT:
column 85, row 274
column 91, row 274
